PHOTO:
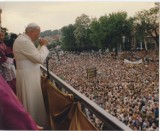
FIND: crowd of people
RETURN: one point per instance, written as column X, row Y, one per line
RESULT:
column 7, row 69
column 129, row 92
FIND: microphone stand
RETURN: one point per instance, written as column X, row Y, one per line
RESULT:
column 47, row 64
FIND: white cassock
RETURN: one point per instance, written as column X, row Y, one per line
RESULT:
column 28, row 59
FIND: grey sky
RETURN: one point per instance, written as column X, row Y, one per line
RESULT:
column 54, row 15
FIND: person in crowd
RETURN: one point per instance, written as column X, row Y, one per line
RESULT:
column 6, row 63
column 28, row 59
column 9, row 44
column 13, row 115
column 128, row 92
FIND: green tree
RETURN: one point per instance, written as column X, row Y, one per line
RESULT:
column 49, row 33
column 68, row 40
column 127, row 33
column 147, row 23
column 107, row 32
column 116, row 28
column 81, row 32
column 95, row 33
column 104, row 40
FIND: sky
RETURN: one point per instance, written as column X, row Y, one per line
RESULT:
column 52, row 15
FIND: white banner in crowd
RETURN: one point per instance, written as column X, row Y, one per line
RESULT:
column 133, row 62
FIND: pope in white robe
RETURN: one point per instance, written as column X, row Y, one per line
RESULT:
column 28, row 59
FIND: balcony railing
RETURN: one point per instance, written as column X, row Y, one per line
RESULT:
column 109, row 121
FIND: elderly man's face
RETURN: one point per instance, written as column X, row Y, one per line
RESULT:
column 35, row 35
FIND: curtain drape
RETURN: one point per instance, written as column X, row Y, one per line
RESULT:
column 64, row 113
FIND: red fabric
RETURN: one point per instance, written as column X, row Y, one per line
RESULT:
column 3, row 52
column 7, row 73
column 13, row 116
column 12, row 84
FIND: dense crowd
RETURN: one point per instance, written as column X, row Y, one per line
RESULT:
column 130, row 92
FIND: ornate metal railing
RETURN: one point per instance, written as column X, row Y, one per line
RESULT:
column 109, row 121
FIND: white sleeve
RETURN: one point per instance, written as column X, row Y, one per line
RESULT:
column 44, row 52
column 34, row 54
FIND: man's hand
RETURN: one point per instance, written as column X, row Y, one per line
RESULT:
column 43, row 41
